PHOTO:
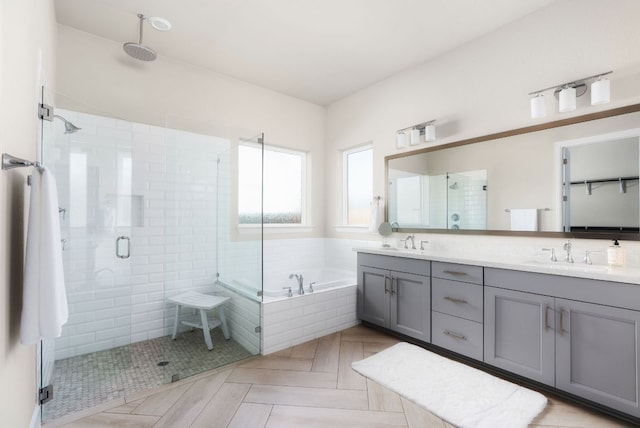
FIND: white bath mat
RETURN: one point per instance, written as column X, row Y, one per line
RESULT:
column 459, row 394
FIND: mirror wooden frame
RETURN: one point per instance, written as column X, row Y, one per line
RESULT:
column 518, row 131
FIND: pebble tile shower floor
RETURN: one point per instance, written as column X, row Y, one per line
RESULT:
column 88, row 380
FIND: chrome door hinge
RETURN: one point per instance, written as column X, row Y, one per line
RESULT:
column 45, row 394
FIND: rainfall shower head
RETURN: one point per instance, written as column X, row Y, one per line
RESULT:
column 138, row 50
column 454, row 186
column 69, row 128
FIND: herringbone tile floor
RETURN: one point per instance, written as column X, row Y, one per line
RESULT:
column 310, row 385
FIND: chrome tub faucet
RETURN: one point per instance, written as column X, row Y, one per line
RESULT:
column 298, row 277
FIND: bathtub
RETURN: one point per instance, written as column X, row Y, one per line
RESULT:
column 276, row 284
column 289, row 321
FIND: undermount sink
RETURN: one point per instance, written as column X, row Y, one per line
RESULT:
column 575, row 267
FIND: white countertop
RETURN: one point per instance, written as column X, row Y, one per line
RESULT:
column 539, row 265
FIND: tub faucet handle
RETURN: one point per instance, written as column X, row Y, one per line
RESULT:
column 311, row 287
column 422, row 242
column 552, row 257
column 290, row 294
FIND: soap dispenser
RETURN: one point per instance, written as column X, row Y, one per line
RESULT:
column 615, row 254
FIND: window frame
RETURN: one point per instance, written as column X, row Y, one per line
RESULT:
column 304, row 159
column 345, row 182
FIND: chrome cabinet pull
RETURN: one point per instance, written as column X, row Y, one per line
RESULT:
column 454, row 272
column 128, row 253
column 386, row 290
column 561, row 320
column 546, row 317
column 393, row 278
column 455, row 300
column 454, row 335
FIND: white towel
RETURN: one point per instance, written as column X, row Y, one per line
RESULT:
column 524, row 219
column 44, row 301
column 376, row 217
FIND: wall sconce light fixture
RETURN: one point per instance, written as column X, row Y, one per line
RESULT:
column 415, row 133
column 538, row 107
column 401, row 140
column 567, row 94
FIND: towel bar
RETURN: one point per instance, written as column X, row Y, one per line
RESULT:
column 10, row 162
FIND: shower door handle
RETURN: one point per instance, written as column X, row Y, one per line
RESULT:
column 119, row 253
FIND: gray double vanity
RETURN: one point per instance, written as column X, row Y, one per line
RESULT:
column 571, row 327
column 558, row 327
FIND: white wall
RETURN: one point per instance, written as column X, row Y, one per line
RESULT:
column 483, row 87
column 96, row 76
column 27, row 39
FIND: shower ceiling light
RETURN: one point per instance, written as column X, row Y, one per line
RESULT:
column 568, row 92
column 159, row 24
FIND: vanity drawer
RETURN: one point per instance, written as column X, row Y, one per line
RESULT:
column 457, row 335
column 457, row 298
column 399, row 264
column 457, row 272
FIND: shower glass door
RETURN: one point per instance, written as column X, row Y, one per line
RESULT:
column 198, row 195
column 94, row 174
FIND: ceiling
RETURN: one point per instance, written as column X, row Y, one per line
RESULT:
column 315, row 50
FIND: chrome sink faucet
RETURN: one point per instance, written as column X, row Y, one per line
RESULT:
column 300, row 282
column 411, row 238
column 568, row 257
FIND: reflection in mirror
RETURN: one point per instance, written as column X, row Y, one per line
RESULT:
column 521, row 175
column 601, row 186
column 442, row 201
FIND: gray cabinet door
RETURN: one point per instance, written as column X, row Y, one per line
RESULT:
column 411, row 305
column 373, row 295
column 597, row 353
column 518, row 333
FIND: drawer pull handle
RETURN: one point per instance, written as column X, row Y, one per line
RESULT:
column 454, row 300
column 561, row 320
column 454, row 335
column 393, row 278
column 454, row 272
column 546, row 317
column 386, row 290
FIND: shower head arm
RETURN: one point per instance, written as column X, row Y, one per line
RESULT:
column 141, row 16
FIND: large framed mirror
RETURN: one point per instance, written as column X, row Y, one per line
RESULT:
column 576, row 177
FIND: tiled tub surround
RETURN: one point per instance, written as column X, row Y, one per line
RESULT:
column 291, row 321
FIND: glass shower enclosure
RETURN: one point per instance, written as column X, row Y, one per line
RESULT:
column 147, row 214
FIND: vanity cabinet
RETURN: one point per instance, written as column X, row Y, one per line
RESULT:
column 518, row 333
column 535, row 326
column 395, row 293
column 457, row 314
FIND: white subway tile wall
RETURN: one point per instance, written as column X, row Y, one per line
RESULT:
column 167, row 191
column 154, row 185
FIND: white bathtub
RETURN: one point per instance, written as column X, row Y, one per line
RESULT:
column 288, row 321
column 276, row 284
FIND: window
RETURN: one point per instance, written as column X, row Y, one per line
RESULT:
column 358, row 185
column 282, row 185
